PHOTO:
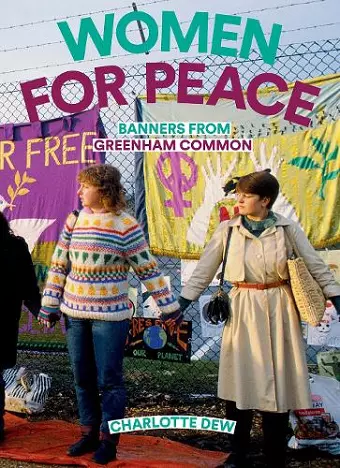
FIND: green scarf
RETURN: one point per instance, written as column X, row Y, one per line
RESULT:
column 257, row 227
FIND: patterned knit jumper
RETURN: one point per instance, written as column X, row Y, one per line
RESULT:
column 99, row 253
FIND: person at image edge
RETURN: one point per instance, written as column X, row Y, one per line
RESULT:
column 262, row 359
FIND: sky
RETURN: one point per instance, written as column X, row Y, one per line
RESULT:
column 29, row 24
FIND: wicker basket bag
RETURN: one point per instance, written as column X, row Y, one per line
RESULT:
column 308, row 295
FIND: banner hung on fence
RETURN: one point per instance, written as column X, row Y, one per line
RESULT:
column 39, row 163
column 149, row 339
column 183, row 192
column 327, row 333
column 33, row 336
column 332, row 259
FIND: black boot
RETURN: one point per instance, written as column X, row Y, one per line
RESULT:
column 240, row 440
column 89, row 442
column 2, row 428
column 107, row 450
column 275, row 430
column 2, row 407
column 234, row 461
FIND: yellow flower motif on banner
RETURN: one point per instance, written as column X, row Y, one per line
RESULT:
column 20, row 188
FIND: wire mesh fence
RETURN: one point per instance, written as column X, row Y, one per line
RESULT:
column 293, row 62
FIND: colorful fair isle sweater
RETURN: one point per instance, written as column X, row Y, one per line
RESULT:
column 89, row 270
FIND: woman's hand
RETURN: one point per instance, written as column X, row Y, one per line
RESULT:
column 172, row 319
column 48, row 317
column 183, row 303
column 214, row 193
column 46, row 323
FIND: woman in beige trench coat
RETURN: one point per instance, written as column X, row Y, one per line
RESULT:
column 262, row 360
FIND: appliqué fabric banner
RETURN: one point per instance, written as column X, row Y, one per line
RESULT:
column 183, row 191
column 327, row 333
column 39, row 163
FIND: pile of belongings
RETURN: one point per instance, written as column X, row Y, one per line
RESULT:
column 25, row 392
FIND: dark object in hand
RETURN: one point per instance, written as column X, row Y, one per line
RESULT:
column 219, row 309
column 184, row 303
column 336, row 303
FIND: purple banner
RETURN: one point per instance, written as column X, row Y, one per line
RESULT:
column 39, row 163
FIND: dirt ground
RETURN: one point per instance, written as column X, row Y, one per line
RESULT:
column 64, row 408
column 61, row 404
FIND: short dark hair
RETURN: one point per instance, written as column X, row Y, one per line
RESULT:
column 260, row 183
column 107, row 179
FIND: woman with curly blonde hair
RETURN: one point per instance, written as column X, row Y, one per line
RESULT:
column 106, row 179
column 87, row 282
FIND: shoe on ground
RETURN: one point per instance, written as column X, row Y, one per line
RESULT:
column 87, row 444
column 237, row 462
column 106, row 452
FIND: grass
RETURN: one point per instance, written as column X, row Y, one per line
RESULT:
column 155, row 388
column 141, row 375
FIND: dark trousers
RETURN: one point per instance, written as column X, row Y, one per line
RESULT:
column 96, row 350
column 275, row 429
column 2, row 401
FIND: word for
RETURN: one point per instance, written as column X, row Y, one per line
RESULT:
column 171, row 422
column 171, row 31
column 60, row 151
column 228, row 86
column 175, row 144
column 173, row 128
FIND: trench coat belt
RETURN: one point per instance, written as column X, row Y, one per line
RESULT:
column 260, row 286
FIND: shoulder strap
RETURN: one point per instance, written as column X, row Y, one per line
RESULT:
column 291, row 241
column 76, row 214
column 226, row 250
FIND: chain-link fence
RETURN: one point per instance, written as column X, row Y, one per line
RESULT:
column 294, row 62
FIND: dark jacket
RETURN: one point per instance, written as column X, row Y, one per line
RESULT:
column 18, row 284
